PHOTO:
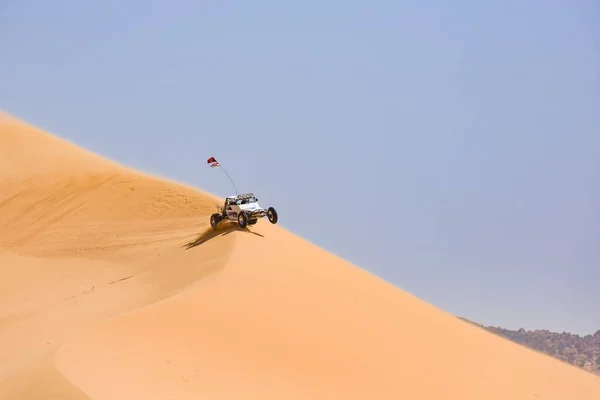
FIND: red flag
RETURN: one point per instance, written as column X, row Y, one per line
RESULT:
column 213, row 162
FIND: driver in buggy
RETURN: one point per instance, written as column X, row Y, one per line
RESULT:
column 224, row 212
column 228, row 202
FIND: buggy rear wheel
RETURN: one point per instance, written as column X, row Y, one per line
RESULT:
column 214, row 220
column 243, row 219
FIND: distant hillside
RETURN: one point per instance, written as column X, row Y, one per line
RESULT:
column 583, row 352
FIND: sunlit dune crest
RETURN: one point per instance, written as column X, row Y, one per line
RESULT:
column 114, row 286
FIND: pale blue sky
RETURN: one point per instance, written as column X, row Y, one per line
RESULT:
column 463, row 137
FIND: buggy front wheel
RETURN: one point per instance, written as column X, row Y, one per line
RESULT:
column 272, row 215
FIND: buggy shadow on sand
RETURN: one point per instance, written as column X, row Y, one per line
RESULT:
column 211, row 233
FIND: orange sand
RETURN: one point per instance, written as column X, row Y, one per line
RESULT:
column 114, row 287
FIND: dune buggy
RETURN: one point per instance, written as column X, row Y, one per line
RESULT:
column 244, row 210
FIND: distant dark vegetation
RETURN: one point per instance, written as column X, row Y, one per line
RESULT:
column 583, row 352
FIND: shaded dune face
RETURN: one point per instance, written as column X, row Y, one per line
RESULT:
column 83, row 240
column 114, row 286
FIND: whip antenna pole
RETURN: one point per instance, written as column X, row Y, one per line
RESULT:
column 234, row 188
column 214, row 163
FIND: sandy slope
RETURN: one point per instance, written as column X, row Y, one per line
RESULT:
column 111, row 290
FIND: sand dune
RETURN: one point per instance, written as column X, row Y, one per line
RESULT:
column 114, row 287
